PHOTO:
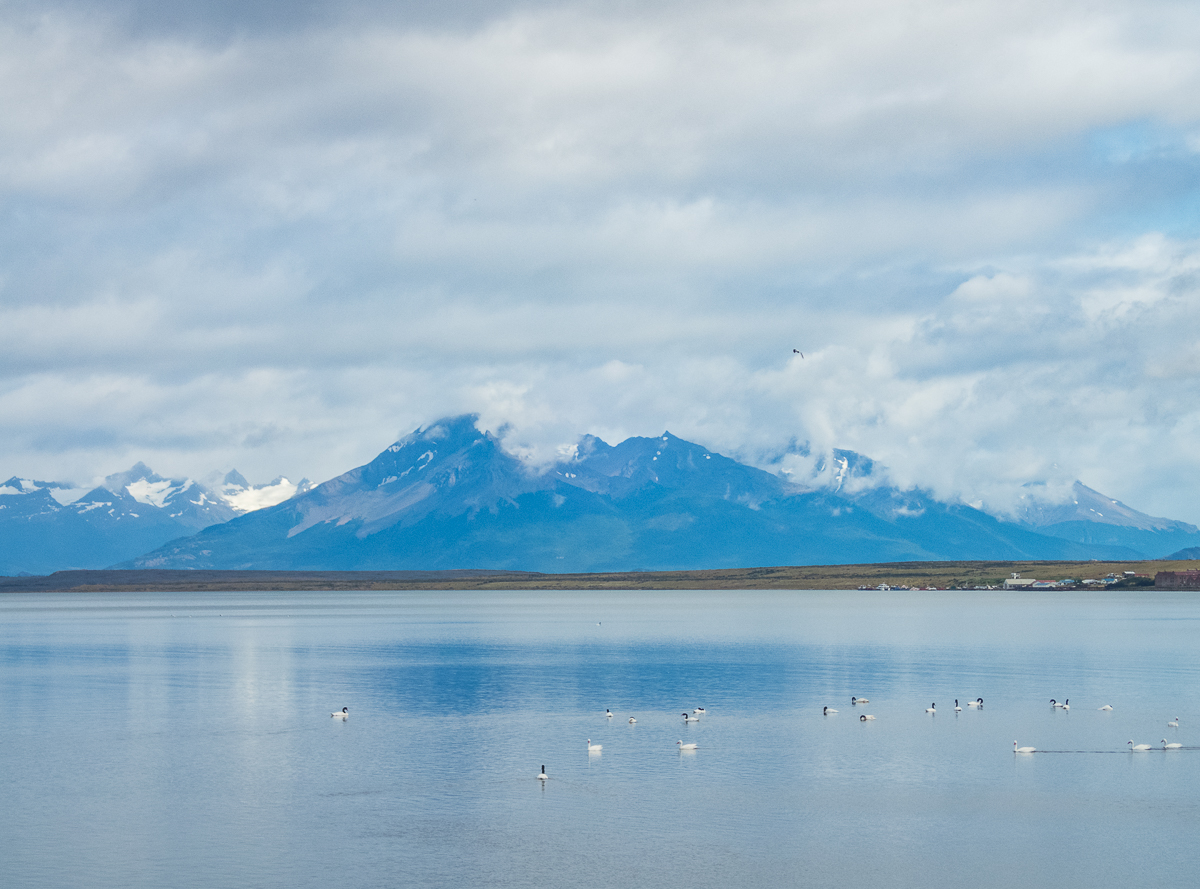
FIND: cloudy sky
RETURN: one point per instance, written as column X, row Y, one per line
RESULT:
column 273, row 236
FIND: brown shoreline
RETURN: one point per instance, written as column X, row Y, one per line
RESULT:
column 815, row 577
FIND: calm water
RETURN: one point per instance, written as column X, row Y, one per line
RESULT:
column 185, row 740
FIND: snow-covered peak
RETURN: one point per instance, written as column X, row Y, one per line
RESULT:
column 157, row 493
column 244, row 497
column 62, row 492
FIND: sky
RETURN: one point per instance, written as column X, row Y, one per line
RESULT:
column 278, row 236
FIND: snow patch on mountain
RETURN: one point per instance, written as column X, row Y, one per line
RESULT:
column 244, row 497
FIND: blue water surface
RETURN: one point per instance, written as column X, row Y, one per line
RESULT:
column 157, row 740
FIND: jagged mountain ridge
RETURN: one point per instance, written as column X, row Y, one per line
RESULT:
column 50, row 526
column 448, row 496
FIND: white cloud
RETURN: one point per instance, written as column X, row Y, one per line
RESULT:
column 279, row 247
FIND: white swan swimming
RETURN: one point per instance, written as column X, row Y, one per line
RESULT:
column 698, row 712
column 1105, row 707
column 542, row 776
column 1171, row 746
column 825, row 711
column 608, row 713
column 1053, row 704
column 1174, row 724
column 957, row 709
column 687, row 717
column 1133, row 746
column 683, row 746
column 594, row 748
column 859, row 701
column 632, row 720
column 932, row 708
column 1066, row 705
column 345, row 714
column 865, row 717
column 1017, row 749
column 977, row 703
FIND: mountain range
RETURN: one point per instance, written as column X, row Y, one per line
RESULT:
column 49, row 526
column 449, row 496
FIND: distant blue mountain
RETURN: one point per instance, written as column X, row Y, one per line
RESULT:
column 448, row 496
column 1088, row 517
column 50, row 526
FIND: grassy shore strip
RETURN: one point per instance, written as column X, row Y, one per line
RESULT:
column 817, row 577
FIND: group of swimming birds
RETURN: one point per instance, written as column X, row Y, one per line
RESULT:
column 977, row 704
column 694, row 716
column 932, row 708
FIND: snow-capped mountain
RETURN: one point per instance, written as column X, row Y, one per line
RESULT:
column 1087, row 516
column 243, row 497
column 48, row 526
column 449, row 496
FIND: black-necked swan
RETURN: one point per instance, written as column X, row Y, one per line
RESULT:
column 542, row 776
column 1017, row 749
column 687, row 717
column 1133, row 746
column 343, row 715
column 594, row 748
column 978, row 702
column 1066, row 705
column 932, row 708
column 825, row 711
column 1105, row 707
column 632, row 720
column 683, row 746
column 699, row 711
column 1171, row 746
column 859, row 701
column 865, row 717
column 957, row 709
column 608, row 713
column 1174, row 724
column 1053, row 703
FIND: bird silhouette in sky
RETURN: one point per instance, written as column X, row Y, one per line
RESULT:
column 798, row 352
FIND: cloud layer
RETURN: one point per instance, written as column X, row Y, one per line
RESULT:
column 264, row 236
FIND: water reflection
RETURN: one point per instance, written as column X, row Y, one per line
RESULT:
column 187, row 741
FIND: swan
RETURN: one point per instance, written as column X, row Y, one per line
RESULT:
column 977, row 703
column 687, row 717
column 1133, row 746
column 1105, row 707
column 345, row 714
column 1174, row 724
column 542, row 776
column 594, row 748
column 932, row 708
column 632, row 720
column 859, row 701
column 1053, row 704
column 1171, row 746
column 865, row 717
column 825, row 711
column 698, row 712
column 1066, row 705
column 608, row 713
column 683, row 746
column 957, row 709
column 1017, row 749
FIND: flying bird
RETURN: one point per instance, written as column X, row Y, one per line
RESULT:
column 797, row 352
